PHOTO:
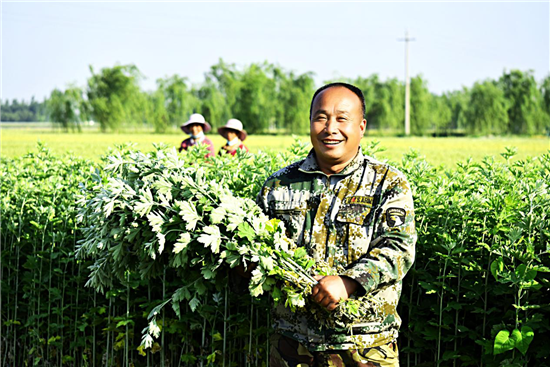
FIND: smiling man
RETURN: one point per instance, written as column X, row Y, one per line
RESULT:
column 355, row 214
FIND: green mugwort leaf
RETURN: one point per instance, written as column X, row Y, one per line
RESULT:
column 217, row 215
column 194, row 303
column 124, row 323
column 272, row 225
column 176, row 308
column 182, row 242
column 530, row 275
column 189, row 214
column 300, row 252
column 181, row 294
column 211, row 358
column 309, row 264
column 527, row 335
column 207, row 273
column 211, row 238
column 503, row 342
column 497, row 266
column 245, row 230
column 267, row 263
column 520, row 271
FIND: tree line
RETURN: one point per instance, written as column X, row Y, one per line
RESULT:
column 21, row 111
column 270, row 99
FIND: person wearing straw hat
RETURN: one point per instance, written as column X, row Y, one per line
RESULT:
column 234, row 133
column 197, row 127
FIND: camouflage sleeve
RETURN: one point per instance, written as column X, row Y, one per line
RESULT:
column 392, row 249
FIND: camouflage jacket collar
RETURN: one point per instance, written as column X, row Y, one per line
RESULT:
column 309, row 165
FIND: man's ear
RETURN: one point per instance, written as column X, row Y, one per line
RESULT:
column 363, row 126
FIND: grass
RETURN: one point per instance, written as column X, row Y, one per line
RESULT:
column 93, row 144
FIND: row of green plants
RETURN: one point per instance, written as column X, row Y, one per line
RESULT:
column 476, row 296
column 270, row 99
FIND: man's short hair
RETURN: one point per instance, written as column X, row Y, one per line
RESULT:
column 352, row 88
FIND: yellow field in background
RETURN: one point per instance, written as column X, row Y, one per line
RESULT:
column 446, row 151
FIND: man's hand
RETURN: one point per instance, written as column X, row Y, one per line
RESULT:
column 332, row 289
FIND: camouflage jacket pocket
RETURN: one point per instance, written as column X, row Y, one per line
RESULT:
column 355, row 233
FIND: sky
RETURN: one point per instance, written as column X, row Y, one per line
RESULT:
column 47, row 45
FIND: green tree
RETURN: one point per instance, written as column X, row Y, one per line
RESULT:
column 68, row 108
column 213, row 104
column 420, row 106
column 525, row 112
column 389, row 105
column 227, row 80
column 384, row 102
column 115, row 97
column 256, row 102
column 487, row 109
column 457, row 102
column 367, row 86
column 295, row 92
column 545, row 94
column 156, row 112
column 441, row 115
column 179, row 100
column 22, row 111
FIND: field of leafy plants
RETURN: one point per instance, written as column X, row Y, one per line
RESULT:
column 128, row 262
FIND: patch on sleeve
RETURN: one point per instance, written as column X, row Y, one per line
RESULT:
column 395, row 217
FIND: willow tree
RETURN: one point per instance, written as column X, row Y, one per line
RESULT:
column 525, row 112
column 227, row 80
column 179, row 100
column 213, row 104
column 387, row 111
column 295, row 92
column 67, row 108
column 458, row 103
column 487, row 109
column 115, row 97
column 256, row 103
column 441, row 115
column 421, row 106
column 156, row 113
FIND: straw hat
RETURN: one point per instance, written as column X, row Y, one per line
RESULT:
column 196, row 118
column 233, row 124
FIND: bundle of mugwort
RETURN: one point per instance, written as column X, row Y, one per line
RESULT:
column 164, row 208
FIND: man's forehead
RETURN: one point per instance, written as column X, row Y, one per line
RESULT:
column 342, row 94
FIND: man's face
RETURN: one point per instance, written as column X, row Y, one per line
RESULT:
column 336, row 127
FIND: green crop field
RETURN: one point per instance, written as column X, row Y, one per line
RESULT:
column 446, row 151
column 129, row 263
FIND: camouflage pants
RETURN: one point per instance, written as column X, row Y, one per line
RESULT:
column 286, row 352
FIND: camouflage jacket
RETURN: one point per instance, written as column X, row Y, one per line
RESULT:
column 360, row 221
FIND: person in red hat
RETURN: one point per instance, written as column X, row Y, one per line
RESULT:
column 234, row 133
column 197, row 127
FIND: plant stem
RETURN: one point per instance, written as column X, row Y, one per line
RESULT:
column 162, row 356
column 126, row 347
column 225, row 315
column 250, row 331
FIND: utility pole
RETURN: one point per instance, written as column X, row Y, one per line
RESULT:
column 407, row 39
